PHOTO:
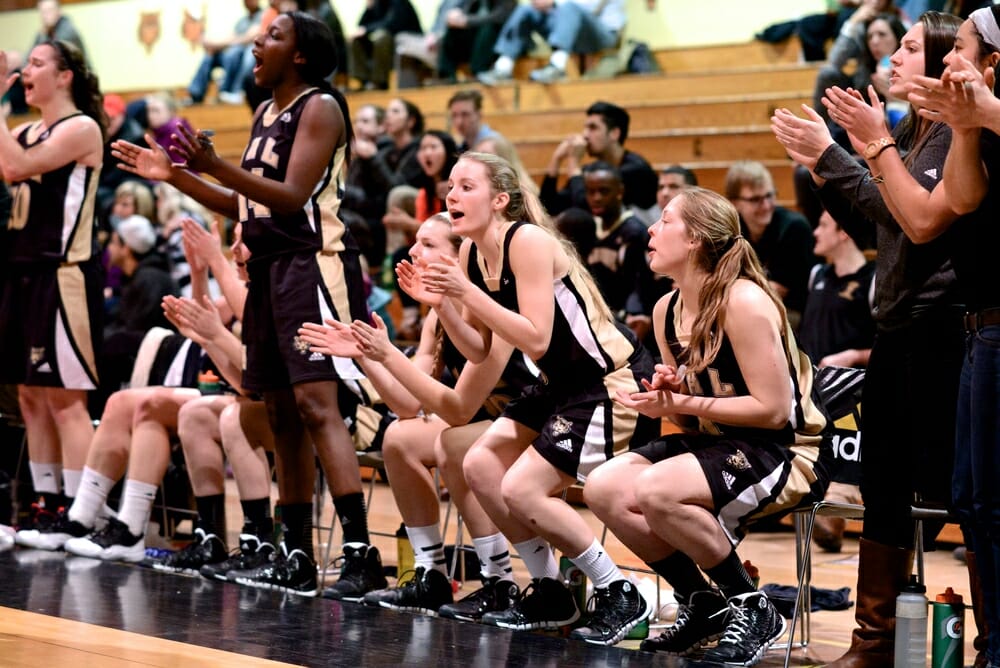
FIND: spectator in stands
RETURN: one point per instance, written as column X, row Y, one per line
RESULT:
column 470, row 34
column 814, row 30
column 55, row 25
column 617, row 260
column 499, row 145
column 782, row 238
column 672, row 180
column 395, row 163
column 163, row 121
column 145, row 282
column 120, row 126
column 232, row 54
column 373, row 42
column 604, row 133
column 838, row 329
column 465, row 114
column 369, row 138
column 573, row 26
column 865, row 42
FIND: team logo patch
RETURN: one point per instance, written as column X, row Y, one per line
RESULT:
column 37, row 355
column 738, row 461
column 300, row 345
column 560, row 426
column 286, row 117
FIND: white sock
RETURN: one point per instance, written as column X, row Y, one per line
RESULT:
column 137, row 503
column 558, row 59
column 597, row 565
column 90, row 497
column 504, row 65
column 71, row 482
column 538, row 558
column 428, row 547
column 494, row 556
column 46, row 478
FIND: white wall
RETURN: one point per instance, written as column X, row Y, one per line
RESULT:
column 110, row 30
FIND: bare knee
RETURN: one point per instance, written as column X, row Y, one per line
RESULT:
column 154, row 408
column 317, row 405
column 195, row 419
column 652, row 495
column 519, row 495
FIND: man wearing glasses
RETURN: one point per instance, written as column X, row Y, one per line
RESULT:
column 782, row 238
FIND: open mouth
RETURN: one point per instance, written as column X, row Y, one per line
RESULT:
column 455, row 215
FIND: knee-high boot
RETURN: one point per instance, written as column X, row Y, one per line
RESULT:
column 882, row 573
column 981, row 641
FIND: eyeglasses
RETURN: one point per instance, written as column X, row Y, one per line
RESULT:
column 757, row 200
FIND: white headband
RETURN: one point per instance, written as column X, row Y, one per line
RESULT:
column 987, row 26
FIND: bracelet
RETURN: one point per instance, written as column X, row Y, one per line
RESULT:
column 878, row 179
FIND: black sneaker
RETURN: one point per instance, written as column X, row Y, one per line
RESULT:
column 698, row 623
column 292, row 572
column 112, row 543
column 50, row 531
column 753, row 626
column 252, row 553
column 618, row 608
column 423, row 593
column 206, row 549
column 495, row 595
column 546, row 603
column 360, row 573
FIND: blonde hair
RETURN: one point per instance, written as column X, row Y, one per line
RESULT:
column 525, row 205
column 726, row 256
column 505, row 149
column 141, row 195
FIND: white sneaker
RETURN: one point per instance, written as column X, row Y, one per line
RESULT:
column 231, row 98
column 112, row 543
column 7, row 535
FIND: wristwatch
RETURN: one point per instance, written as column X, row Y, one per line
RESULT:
column 874, row 148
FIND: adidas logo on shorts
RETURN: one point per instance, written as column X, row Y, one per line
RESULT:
column 729, row 479
column 317, row 357
column 565, row 444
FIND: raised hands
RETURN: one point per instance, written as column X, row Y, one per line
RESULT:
column 446, row 277
column 6, row 78
column 195, row 150
column 198, row 321
column 201, row 247
column 864, row 121
column 658, row 398
column 805, row 139
column 963, row 97
column 149, row 163
column 412, row 282
column 373, row 341
column 333, row 339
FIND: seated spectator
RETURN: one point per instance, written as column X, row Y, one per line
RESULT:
column 838, row 329
column 379, row 169
column 232, row 54
column 145, row 282
column 572, row 26
column 617, row 260
column 604, row 133
column 369, row 137
column 782, row 238
column 131, row 198
column 120, row 126
column 465, row 114
column 499, row 145
column 55, row 25
column 672, row 180
column 471, row 31
column 373, row 42
column 814, row 30
column 163, row 121
column 866, row 41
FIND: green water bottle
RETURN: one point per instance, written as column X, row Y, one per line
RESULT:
column 947, row 642
column 639, row 632
column 576, row 581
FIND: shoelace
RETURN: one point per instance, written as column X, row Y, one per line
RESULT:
column 683, row 617
column 738, row 628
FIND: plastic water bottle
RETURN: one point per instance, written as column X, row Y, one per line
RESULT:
column 947, row 642
column 208, row 382
column 404, row 552
column 911, row 626
column 576, row 581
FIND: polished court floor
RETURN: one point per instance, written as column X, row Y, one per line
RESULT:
column 58, row 610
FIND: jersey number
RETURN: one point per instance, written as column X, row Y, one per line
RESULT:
column 719, row 389
column 22, row 205
column 269, row 158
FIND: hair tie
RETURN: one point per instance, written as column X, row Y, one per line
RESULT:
column 737, row 237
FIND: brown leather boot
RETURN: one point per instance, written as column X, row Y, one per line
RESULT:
column 882, row 573
column 978, row 614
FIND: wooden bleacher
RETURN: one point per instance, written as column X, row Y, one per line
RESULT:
column 709, row 107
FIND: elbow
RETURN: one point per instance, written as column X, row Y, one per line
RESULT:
column 775, row 417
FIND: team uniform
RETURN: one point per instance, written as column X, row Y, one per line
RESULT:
column 589, row 359
column 752, row 472
column 52, row 302
column 304, row 266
